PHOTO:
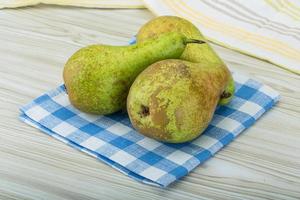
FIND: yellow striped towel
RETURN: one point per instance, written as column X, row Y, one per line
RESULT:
column 81, row 3
column 267, row 29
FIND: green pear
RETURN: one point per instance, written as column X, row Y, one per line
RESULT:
column 98, row 77
column 203, row 54
column 174, row 100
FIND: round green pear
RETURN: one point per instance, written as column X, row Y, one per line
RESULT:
column 98, row 77
column 174, row 100
column 203, row 54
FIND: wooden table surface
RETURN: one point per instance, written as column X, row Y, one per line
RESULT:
column 35, row 42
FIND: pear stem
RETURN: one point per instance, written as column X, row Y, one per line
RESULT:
column 187, row 41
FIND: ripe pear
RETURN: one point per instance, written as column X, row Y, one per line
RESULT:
column 174, row 100
column 98, row 77
column 203, row 54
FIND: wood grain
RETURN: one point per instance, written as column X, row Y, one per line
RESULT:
column 262, row 163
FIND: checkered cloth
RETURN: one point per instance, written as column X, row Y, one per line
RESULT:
column 112, row 139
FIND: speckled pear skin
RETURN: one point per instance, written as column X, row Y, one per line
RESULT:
column 98, row 77
column 169, row 101
column 203, row 54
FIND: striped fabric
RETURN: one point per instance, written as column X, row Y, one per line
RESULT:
column 81, row 3
column 267, row 29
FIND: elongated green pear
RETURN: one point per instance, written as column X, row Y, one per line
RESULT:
column 203, row 54
column 174, row 100
column 98, row 77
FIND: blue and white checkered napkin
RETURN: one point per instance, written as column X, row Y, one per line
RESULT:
column 113, row 140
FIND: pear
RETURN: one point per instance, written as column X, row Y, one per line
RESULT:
column 174, row 100
column 203, row 54
column 98, row 77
